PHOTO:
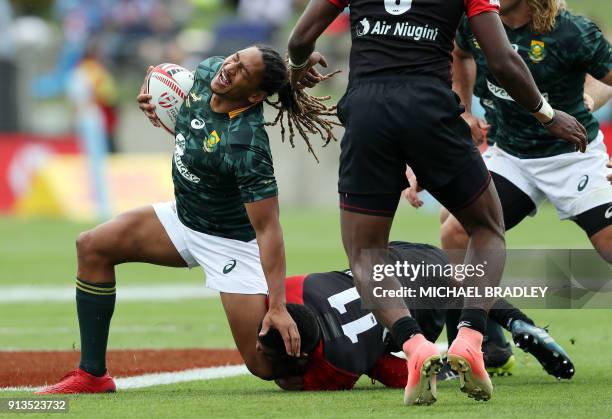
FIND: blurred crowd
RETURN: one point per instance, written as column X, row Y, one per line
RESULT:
column 108, row 44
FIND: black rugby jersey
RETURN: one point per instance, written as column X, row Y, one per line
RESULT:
column 406, row 36
column 352, row 338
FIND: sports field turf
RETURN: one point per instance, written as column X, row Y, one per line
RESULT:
column 42, row 253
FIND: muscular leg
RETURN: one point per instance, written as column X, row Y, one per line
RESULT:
column 515, row 203
column 135, row 236
column 597, row 224
column 602, row 242
column 364, row 232
column 244, row 313
column 483, row 222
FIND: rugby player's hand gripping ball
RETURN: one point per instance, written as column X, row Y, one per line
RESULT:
column 163, row 92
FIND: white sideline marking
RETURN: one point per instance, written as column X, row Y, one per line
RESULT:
column 164, row 378
column 65, row 330
column 174, row 292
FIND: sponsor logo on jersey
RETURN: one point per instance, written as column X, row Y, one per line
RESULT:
column 179, row 151
column 537, row 52
column 231, row 264
column 197, row 123
column 398, row 29
column 210, row 143
column 397, row 7
column 363, row 27
column 501, row 93
column 583, row 183
column 608, row 213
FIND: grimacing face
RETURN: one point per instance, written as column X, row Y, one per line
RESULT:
column 240, row 75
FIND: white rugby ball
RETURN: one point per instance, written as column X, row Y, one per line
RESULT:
column 169, row 85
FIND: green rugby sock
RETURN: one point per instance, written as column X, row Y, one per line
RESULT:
column 95, row 306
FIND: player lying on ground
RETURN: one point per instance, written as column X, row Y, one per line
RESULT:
column 399, row 109
column 225, row 217
column 528, row 165
column 343, row 340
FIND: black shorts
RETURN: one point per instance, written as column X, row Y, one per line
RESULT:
column 416, row 120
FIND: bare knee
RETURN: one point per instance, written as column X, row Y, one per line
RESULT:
column 89, row 248
column 491, row 222
column 96, row 248
column 452, row 234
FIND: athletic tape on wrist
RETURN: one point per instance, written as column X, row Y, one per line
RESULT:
column 544, row 113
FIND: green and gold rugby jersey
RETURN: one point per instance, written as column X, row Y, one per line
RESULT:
column 221, row 161
column 559, row 61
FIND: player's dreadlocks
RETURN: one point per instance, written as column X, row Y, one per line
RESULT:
column 303, row 112
column 544, row 14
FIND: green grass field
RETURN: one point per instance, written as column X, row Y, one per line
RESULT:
column 42, row 252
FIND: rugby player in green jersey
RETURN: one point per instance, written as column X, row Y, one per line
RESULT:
column 225, row 216
column 528, row 165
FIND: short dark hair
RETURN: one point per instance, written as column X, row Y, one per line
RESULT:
column 307, row 325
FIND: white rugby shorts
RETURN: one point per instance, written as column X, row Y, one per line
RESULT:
column 231, row 266
column 573, row 182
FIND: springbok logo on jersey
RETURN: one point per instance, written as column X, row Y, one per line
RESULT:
column 537, row 53
column 397, row 7
column 210, row 143
column 364, row 27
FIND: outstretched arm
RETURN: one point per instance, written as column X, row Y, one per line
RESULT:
column 512, row 73
column 319, row 14
column 264, row 216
